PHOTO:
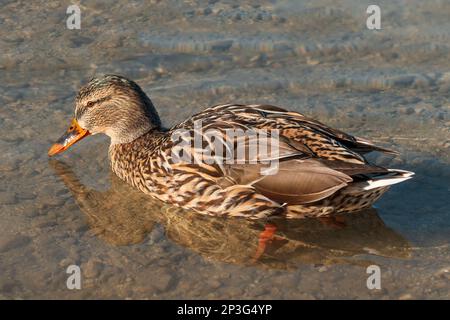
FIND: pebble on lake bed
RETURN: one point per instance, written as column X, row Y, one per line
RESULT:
column 92, row 269
column 14, row 242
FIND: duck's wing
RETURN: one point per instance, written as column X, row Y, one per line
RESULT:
column 324, row 141
column 300, row 181
column 355, row 143
column 312, row 161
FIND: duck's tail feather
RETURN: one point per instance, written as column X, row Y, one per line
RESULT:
column 364, row 146
column 392, row 177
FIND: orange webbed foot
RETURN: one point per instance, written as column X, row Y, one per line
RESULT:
column 266, row 238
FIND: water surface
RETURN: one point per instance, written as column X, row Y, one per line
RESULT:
column 391, row 86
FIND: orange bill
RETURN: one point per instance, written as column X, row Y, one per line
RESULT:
column 73, row 134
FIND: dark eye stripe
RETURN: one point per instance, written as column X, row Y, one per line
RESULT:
column 89, row 104
column 92, row 103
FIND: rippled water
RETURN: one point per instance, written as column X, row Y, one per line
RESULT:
column 391, row 85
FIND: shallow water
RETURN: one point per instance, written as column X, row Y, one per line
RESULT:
column 391, row 86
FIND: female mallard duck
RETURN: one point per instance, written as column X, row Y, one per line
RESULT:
column 319, row 170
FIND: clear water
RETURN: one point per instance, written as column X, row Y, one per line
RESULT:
column 391, row 85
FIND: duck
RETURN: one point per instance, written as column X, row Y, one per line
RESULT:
column 230, row 160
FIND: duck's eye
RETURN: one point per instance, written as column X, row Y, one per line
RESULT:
column 90, row 104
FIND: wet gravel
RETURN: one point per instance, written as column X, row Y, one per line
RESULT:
column 391, row 85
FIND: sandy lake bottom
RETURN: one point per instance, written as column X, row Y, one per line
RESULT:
column 391, row 86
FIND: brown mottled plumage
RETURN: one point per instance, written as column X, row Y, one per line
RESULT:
column 321, row 170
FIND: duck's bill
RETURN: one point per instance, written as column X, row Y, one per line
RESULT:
column 73, row 134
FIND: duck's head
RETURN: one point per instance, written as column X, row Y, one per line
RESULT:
column 112, row 105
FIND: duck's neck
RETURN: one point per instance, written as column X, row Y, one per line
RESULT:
column 130, row 160
column 141, row 119
column 118, row 137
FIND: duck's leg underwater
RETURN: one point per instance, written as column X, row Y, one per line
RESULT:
column 266, row 237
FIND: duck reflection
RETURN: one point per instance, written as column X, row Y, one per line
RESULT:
column 124, row 216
